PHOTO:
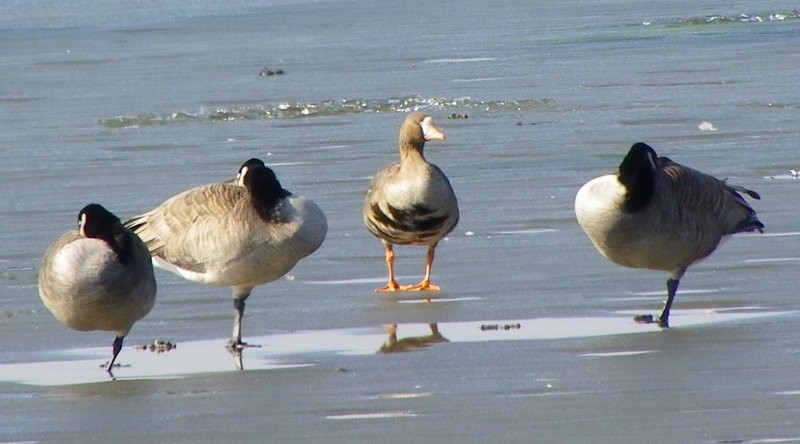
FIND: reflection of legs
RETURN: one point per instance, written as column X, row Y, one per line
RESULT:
column 392, row 344
column 237, row 358
column 435, row 330
column 425, row 283
column 392, row 285
column 391, row 338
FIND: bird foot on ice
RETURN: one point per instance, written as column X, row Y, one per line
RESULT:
column 649, row 319
column 234, row 345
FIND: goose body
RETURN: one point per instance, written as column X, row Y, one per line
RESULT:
column 411, row 201
column 238, row 233
column 98, row 277
column 658, row 214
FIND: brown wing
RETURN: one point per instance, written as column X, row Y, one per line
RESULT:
column 167, row 229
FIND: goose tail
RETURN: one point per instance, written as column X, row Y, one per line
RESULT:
column 750, row 222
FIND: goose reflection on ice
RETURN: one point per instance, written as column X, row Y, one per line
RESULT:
column 236, row 353
column 394, row 345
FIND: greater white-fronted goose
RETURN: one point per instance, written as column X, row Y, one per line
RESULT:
column 411, row 202
column 98, row 277
column 658, row 214
column 237, row 233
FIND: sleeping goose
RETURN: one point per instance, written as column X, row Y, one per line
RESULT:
column 658, row 214
column 411, row 202
column 238, row 233
column 98, row 277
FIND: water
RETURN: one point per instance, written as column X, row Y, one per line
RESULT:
column 129, row 103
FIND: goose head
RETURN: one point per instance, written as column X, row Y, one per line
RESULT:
column 252, row 163
column 417, row 128
column 637, row 173
column 95, row 222
column 264, row 188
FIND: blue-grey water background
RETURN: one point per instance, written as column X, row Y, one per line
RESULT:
column 127, row 103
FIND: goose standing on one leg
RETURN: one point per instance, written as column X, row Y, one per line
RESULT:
column 98, row 277
column 239, row 233
column 657, row 214
column 411, row 202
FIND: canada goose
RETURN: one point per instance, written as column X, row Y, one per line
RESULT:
column 98, row 277
column 238, row 233
column 658, row 214
column 411, row 202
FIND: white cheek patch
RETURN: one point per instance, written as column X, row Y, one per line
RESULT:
column 82, row 225
column 240, row 176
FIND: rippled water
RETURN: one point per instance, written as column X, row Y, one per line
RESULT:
column 132, row 102
column 330, row 108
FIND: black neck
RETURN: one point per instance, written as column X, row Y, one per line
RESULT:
column 266, row 192
column 121, row 243
column 637, row 173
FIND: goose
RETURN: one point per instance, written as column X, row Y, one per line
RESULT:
column 410, row 201
column 98, row 277
column 237, row 233
column 660, row 215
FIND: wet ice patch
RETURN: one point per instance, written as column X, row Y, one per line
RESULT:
column 302, row 348
column 791, row 175
column 781, row 234
column 528, row 231
column 376, row 415
column 408, row 395
column 683, row 291
column 433, row 300
column 194, row 357
column 352, row 281
column 772, row 259
column 460, row 60
column 616, row 353
column 476, row 79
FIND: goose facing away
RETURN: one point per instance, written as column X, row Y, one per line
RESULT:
column 238, row 233
column 411, row 202
column 98, row 277
column 660, row 215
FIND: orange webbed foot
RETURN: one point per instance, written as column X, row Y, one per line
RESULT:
column 422, row 286
column 391, row 286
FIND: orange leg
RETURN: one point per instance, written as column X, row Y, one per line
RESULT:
column 425, row 283
column 392, row 285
